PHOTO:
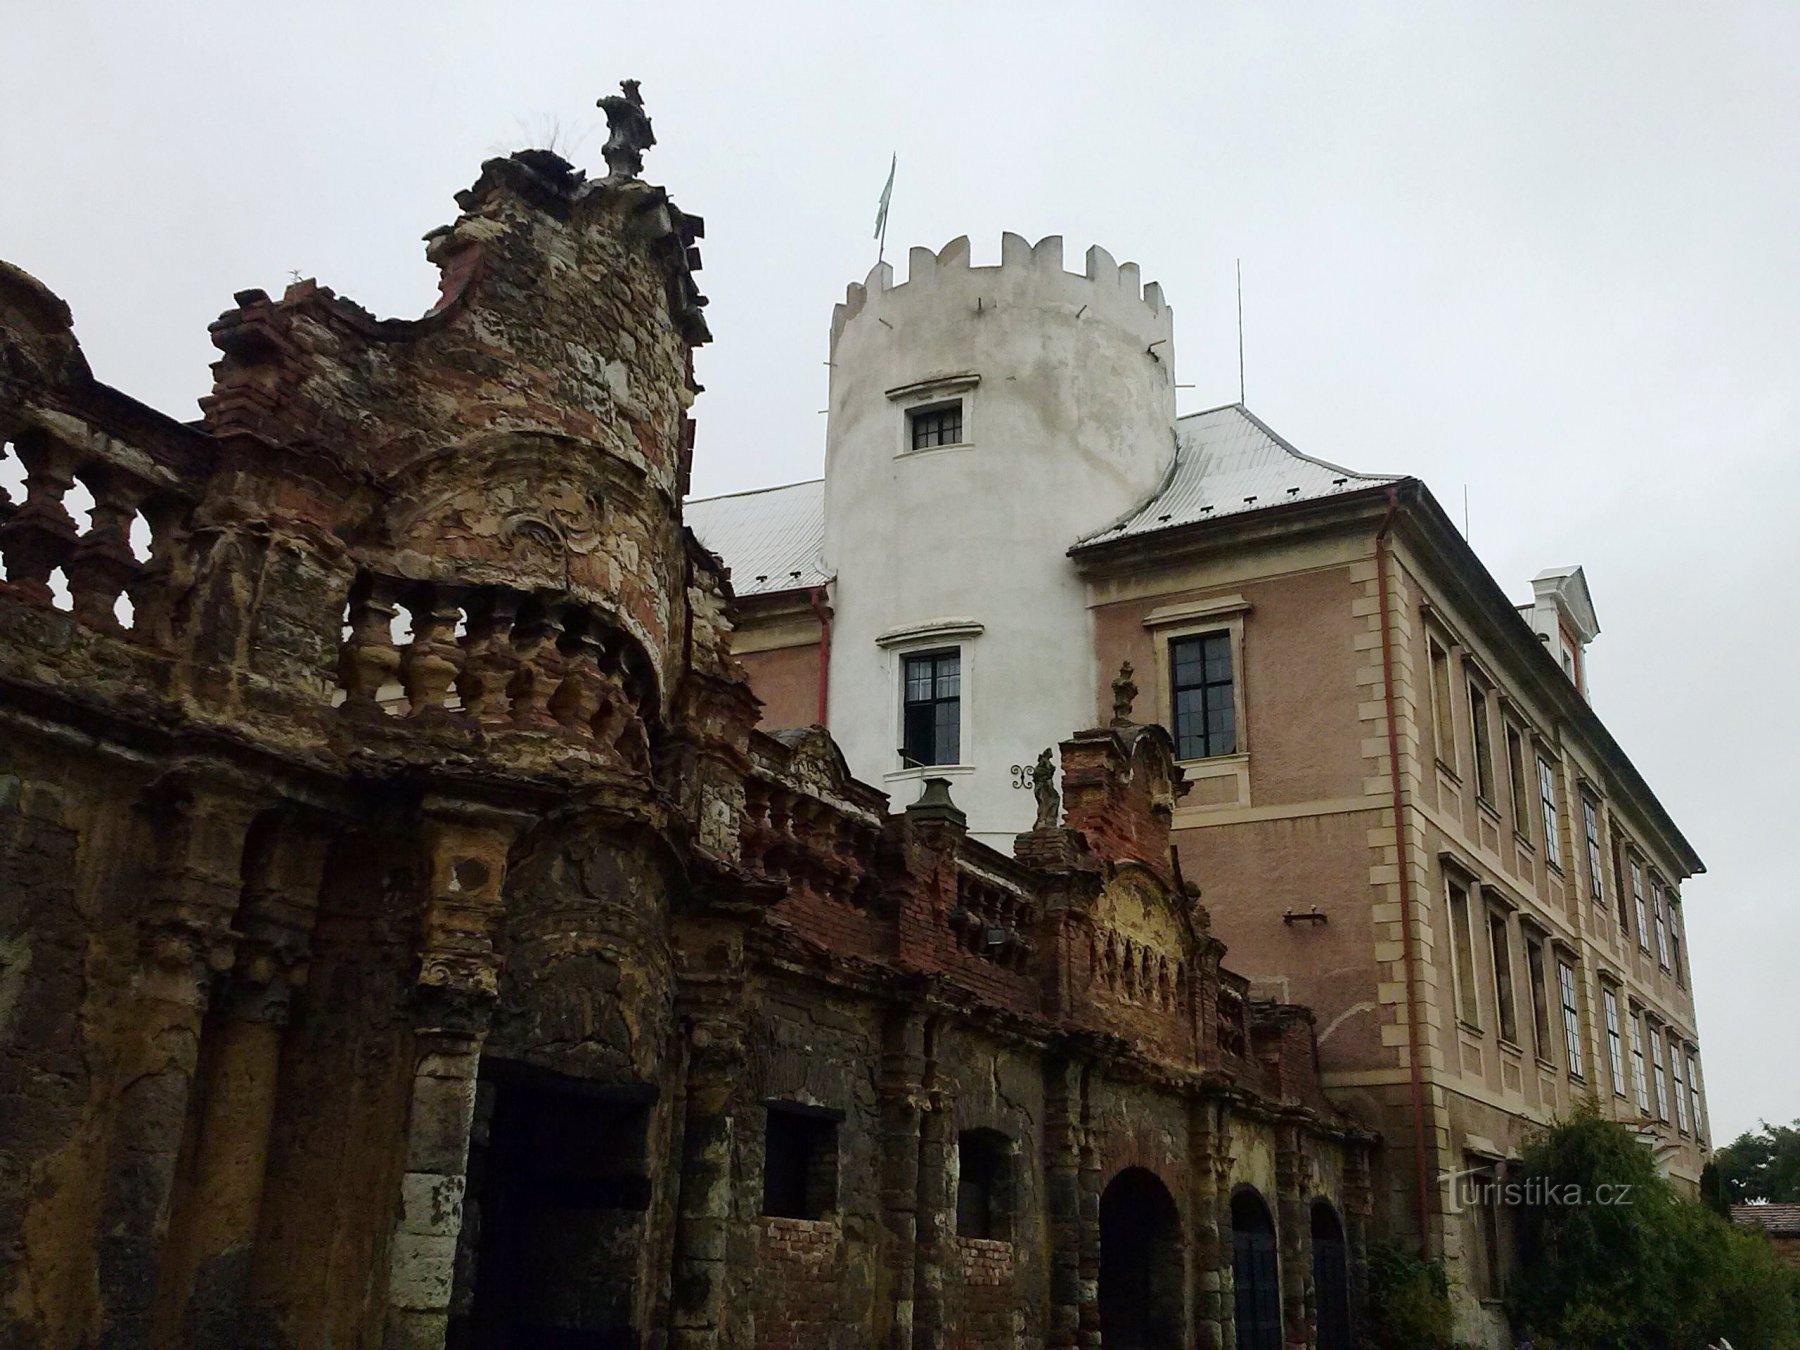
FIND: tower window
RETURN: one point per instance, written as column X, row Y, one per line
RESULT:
column 1200, row 681
column 938, row 424
column 931, row 718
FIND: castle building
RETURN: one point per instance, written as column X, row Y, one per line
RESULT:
column 1403, row 811
column 409, row 938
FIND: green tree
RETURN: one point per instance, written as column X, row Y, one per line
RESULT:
column 1761, row 1166
column 1612, row 1258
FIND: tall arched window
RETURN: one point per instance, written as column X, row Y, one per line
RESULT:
column 1331, row 1277
column 1141, row 1304
column 1255, row 1273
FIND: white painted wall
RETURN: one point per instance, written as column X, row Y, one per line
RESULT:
column 1069, row 422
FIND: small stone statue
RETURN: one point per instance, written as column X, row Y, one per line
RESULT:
column 1124, row 695
column 628, row 132
column 1043, row 787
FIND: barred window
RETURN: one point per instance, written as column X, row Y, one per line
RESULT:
column 1547, row 803
column 1200, row 681
column 940, row 424
column 1615, row 1057
column 931, row 725
column 1565, row 981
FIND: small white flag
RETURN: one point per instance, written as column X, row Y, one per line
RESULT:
column 887, row 195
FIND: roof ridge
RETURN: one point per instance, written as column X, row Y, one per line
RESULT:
column 752, row 492
column 1298, row 453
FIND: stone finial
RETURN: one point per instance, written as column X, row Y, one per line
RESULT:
column 1124, row 695
column 628, row 131
column 1043, row 787
column 934, row 804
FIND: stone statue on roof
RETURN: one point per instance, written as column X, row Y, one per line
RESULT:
column 628, row 131
column 1043, row 787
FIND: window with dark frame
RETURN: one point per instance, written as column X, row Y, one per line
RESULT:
column 1615, row 1047
column 1547, row 803
column 1200, row 684
column 1500, row 947
column 939, row 424
column 1681, row 1114
column 1675, row 943
column 799, row 1163
column 1639, row 1081
column 1540, row 998
column 1637, row 900
column 1484, row 749
column 1693, row 1088
column 1468, row 1002
column 1442, row 726
column 931, row 714
column 1659, row 1076
column 1517, row 789
column 1590, row 829
column 1659, row 904
column 1565, row 983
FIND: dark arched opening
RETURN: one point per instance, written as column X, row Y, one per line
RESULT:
column 1331, row 1277
column 1140, row 1264
column 1255, row 1275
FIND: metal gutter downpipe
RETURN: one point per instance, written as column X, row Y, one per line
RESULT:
column 823, row 614
column 1408, row 951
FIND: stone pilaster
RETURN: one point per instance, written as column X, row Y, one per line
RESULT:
column 186, row 938
column 1223, row 1163
column 457, row 985
column 205, row 1283
column 902, row 1117
column 714, row 1028
column 1211, row 1244
column 936, row 1213
column 1062, row 1169
column 1088, row 1192
column 1294, row 1223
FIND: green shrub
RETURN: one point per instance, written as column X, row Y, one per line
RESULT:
column 1649, row 1271
column 1409, row 1301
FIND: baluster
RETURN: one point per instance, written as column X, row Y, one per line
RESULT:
column 39, row 534
column 102, row 565
column 582, row 690
column 428, row 667
column 487, row 655
column 150, row 586
column 538, row 667
column 368, row 660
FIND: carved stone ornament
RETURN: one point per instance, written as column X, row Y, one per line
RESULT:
column 1124, row 695
column 1043, row 787
column 628, row 131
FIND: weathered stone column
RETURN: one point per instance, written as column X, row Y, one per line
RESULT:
column 713, row 1022
column 936, row 1214
column 1088, row 1192
column 458, row 982
column 202, row 816
column 1359, row 1211
column 1211, row 1244
column 1062, row 1207
column 205, row 1281
column 1293, row 1182
column 1223, row 1163
column 901, row 1090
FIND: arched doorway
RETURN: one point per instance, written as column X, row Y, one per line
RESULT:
column 1255, row 1273
column 1331, row 1277
column 1140, row 1264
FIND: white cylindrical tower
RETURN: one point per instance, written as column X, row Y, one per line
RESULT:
column 982, row 421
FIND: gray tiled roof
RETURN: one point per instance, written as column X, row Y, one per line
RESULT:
column 1227, row 462
column 769, row 538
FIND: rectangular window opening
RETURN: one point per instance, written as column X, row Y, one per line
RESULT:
column 1504, row 1006
column 1590, row 829
column 1547, row 804
column 1484, row 750
column 800, row 1163
column 984, row 1185
column 1201, row 694
column 936, row 425
column 931, row 709
column 1615, row 1056
column 1540, row 999
column 1571, row 1013
column 1442, row 726
column 1517, row 786
column 1468, row 1003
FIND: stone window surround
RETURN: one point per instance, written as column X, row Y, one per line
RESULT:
column 1496, row 904
column 1459, row 876
column 923, row 395
column 945, row 634
column 1614, row 1004
column 1543, row 1031
column 1217, row 614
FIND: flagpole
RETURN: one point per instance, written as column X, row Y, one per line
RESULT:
column 881, row 214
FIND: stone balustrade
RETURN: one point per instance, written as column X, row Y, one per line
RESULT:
column 992, row 921
column 40, row 537
column 496, row 658
column 807, row 843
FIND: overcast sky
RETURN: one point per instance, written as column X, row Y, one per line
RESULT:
column 1544, row 252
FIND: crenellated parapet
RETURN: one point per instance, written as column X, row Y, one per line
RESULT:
column 1027, row 272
